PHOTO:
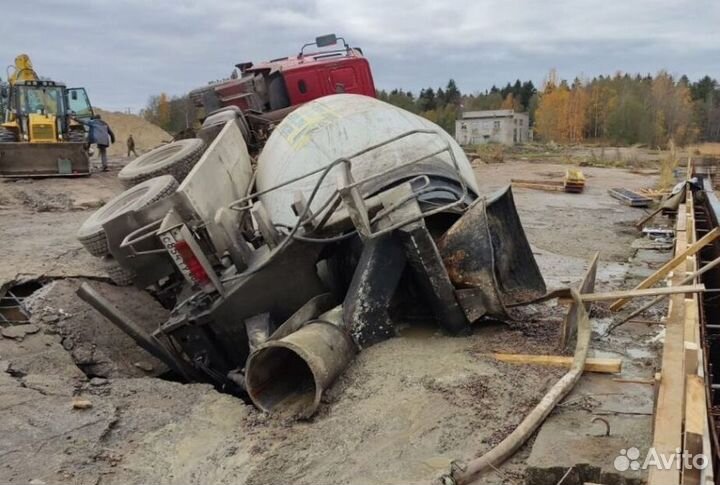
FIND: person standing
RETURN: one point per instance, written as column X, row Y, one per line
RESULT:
column 102, row 135
column 131, row 145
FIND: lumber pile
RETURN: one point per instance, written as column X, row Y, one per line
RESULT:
column 653, row 193
column 574, row 181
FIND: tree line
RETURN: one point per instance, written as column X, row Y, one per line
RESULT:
column 619, row 109
column 443, row 105
column 626, row 109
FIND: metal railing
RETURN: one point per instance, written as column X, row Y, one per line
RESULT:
column 245, row 203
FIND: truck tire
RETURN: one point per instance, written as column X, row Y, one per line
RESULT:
column 216, row 120
column 7, row 135
column 118, row 275
column 92, row 235
column 176, row 159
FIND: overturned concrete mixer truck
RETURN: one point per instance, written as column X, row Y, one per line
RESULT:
column 357, row 216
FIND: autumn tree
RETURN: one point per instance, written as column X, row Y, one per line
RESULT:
column 163, row 113
column 673, row 110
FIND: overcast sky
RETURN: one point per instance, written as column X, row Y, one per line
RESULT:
column 125, row 50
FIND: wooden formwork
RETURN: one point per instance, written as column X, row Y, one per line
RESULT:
column 681, row 420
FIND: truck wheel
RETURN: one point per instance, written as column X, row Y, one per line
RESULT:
column 7, row 135
column 118, row 275
column 91, row 233
column 216, row 120
column 176, row 159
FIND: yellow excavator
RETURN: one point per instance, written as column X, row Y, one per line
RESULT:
column 40, row 134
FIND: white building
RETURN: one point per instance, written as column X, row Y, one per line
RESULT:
column 500, row 126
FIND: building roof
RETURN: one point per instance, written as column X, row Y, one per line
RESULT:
column 493, row 113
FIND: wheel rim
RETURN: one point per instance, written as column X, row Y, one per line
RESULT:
column 160, row 155
column 118, row 206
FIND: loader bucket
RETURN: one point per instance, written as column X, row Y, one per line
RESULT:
column 22, row 159
column 486, row 250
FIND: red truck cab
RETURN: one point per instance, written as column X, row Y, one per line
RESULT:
column 291, row 81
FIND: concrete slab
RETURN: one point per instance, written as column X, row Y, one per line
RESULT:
column 570, row 440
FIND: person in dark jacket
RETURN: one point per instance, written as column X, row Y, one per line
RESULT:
column 100, row 134
column 131, row 145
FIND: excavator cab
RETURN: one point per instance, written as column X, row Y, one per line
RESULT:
column 79, row 104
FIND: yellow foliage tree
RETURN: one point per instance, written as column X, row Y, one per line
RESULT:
column 577, row 113
column 511, row 103
column 673, row 110
column 562, row 111
column 163, row 111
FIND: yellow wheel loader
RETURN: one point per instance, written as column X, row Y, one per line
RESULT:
column 39, row 132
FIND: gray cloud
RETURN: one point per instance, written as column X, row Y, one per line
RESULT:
column 125, row 50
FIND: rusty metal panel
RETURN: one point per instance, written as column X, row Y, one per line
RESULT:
column 487, row 249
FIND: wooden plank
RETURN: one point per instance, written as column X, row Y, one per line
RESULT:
column 695, row 404
column 691, row 357
column 681, row 224
column 665, row 290
column 694, row 425
column 606, row 366
column 548, row 188
column 642, row 221
column 587, row 285
column 661, row 273
column 650, row 382
column 669, row 409
column 558, row 183
column 691, row 321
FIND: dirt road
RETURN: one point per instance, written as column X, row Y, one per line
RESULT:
column 403, row 410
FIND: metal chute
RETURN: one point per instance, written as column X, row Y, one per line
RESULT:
column 486, row 252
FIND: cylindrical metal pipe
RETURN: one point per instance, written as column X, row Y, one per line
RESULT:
column 289, row 375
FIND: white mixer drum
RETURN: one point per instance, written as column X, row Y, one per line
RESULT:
column 341, row 125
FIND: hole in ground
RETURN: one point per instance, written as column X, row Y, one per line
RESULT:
column 13, row 310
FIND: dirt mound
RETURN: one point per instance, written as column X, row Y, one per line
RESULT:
column 147, row 136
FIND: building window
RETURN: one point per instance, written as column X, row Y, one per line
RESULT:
column 496, row 125
column 521, row 122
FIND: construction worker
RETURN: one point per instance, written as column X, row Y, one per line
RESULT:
column 101, row 135
column 131, row 145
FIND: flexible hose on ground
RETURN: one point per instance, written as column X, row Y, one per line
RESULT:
column 508, row 446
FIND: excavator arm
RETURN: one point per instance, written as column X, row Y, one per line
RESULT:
column 22, row 70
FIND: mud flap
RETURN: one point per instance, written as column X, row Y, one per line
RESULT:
column 43, row 159
column 489, row 259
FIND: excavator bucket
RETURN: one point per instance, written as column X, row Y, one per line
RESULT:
column 43, row 159
column 486, row 252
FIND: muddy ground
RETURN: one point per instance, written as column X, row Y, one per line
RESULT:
column 402, row 411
